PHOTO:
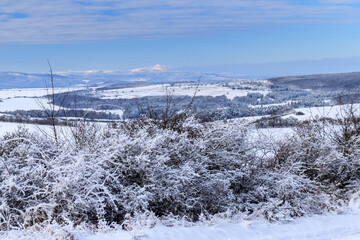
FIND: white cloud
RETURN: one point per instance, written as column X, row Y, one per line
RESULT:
column 68, row 20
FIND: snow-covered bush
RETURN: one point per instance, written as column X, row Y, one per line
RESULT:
column 140, row 168
column 328, row 155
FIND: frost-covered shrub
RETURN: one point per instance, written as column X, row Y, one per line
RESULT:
column 326, row 155
column 110, row 174
column 25, row 158
column 127, row 170
column 177, row 173
column 344, row 166
column 284, row 194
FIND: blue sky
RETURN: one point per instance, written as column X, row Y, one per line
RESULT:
column 206, row 35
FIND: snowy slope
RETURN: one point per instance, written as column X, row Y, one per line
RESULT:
column 336, row 111
column 176, row 90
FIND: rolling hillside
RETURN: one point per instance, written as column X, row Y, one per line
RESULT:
column 335, row 81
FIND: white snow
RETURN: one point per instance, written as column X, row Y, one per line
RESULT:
column 31, row 99
column 317, row 227
column 46, row 130
column 26, row 98
column 177, row 90
column 13, row 104
column 336, row 111
column 272, row 134
column 22, row 99
column 6, row 127
column 30, row 92
column 334, row 227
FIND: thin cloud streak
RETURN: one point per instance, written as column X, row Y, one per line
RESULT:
column 62, row 21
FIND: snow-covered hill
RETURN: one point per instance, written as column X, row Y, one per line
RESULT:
column 156, row 74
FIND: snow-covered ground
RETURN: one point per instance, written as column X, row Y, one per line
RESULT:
column 179, row 89
column 26, row 98
column 34, row 92
column 22, row 103
column 336, row 111
column 334, row 227
column 23, row 98
column 32, row 98
column 8, row 127
column 27, row 92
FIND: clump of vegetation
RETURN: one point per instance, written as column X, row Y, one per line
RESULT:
column 187, row 170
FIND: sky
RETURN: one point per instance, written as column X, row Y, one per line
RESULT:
column 239, row 36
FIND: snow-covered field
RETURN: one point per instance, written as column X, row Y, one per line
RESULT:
column 336, row 111
column 328, row 227
column 22, row 103
column 23, row 99
column 178, row 89
column 26, row 98
column 27, row 92
column 8, row 127
column 32, row 98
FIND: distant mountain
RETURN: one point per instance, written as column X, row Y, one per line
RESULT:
column 320, row 81
column 155, row 74
column 160, row 74
column 26, row 80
